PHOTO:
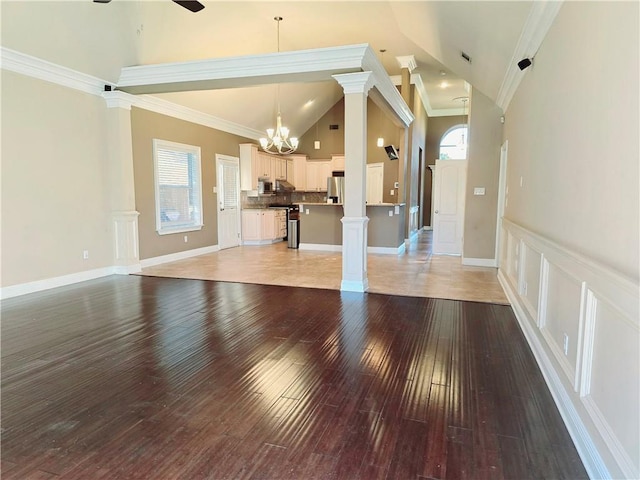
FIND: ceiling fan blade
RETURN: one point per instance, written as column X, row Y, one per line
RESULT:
column 191, row 5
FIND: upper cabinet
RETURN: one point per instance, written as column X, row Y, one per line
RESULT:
column 317, row 173
column 255, row 164
column 337, row 163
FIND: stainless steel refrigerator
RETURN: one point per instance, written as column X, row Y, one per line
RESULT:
column 335, row 189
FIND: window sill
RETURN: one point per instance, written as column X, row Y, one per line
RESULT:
column 180, row 230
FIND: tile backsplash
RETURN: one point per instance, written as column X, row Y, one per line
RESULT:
column 264, row 201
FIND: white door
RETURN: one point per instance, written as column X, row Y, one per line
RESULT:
column 375, row 177
column 449, row 196
column 229, row 219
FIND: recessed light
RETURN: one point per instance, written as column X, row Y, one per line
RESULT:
column 443, row 73
column 444, row 84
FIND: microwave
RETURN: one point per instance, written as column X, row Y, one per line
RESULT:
column 265, row 186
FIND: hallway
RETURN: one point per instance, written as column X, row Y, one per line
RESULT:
column 415, row 273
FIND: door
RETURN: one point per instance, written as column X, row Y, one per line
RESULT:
column 375, row 177
column 228, row 169
column 449, row 196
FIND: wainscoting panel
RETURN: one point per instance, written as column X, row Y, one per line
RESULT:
column 561, row 324
column 581, row 320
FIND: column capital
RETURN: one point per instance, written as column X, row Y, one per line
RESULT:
column 407, row 61
column 360, row 82
column 118, row 99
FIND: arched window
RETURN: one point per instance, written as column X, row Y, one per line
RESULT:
column 453, row 145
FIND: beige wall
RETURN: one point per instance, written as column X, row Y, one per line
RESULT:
column 83, row 36
column 55, row 193
column 145, row 127
column 573, row 179
column 332, row 141
column 418, row 145
column 436, row 128
column 485, row 139
column 572, row 129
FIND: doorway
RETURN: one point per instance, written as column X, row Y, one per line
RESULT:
column 229, row 220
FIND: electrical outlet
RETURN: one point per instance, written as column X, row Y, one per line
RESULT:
column 304, row 197
column 565, row 344
column 392, row 192
column 85, row 254
column 391, row 213
column 186, row 239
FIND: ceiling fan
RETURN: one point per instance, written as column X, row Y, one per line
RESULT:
column 191, row 5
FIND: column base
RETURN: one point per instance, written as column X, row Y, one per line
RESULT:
column 354, row 254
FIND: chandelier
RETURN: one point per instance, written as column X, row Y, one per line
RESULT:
column 278, row 140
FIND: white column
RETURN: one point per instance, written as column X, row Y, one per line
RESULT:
column 354, row 223
column 121, row 184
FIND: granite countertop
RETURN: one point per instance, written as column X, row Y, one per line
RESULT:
column 340, row 204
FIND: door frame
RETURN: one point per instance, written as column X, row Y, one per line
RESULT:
column 502, row 199
column 219, row 191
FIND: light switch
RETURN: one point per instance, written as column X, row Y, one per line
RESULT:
column 392, row 192
column 397, row 209
column 391, row 213
column 215, row 189
column 307, row 211
column 478, row 190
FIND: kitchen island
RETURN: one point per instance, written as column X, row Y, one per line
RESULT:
column 321, row 228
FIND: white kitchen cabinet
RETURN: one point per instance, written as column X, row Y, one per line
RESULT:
column 248, row 166
column 263, row 226
column 289, row 172
column 251, row 225
column 337, row 163
column 255, row 164
column 316, row 176
column 265, row 166
column 299, row 174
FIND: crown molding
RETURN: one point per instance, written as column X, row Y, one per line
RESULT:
column 540, row 19
column 24, row 64
column 164, row 107
column 50, row 72
column 408, row 62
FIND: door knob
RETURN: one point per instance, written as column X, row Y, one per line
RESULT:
column 436, row 211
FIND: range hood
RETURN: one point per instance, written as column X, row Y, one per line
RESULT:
column 284, row 186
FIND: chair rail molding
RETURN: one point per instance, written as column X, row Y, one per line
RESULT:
column 582, row 321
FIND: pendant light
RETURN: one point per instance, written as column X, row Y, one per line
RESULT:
column 278, row 141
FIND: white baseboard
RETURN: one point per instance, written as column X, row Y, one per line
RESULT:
column 261, row 242
column 49, row 283
column 427, row 228
column 587, row 450
column 320, row 247
column 479, row 262
column 387, row 250
column 172, row 257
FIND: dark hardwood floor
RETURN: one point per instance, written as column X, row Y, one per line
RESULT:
column 141, row 377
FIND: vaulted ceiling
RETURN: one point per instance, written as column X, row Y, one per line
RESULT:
column 106, row 37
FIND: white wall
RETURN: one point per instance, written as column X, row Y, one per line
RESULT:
column 569, row 253
column 55, row 197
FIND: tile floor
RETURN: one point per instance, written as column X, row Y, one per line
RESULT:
column 415, row 273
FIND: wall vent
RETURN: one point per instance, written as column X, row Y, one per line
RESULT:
column 334, row 127
column 466, row 57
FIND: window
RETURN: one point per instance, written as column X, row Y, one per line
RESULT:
column 453, row 145
column 178, row 187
